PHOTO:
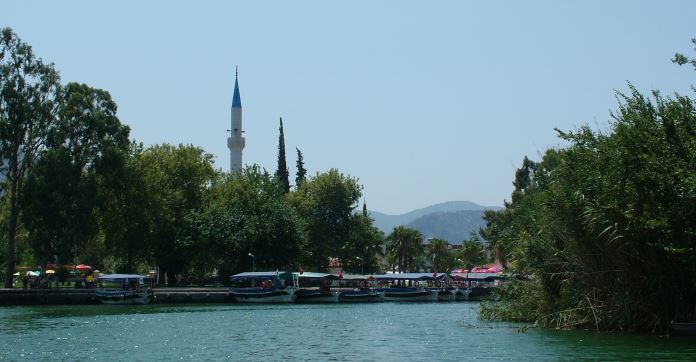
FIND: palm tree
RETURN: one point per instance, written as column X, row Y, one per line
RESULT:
column 438, row 251
column 404, row 245
column 473, row 252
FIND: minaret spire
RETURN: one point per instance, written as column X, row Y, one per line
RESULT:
column 236, row 142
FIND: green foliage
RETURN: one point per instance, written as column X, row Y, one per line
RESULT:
column 175, row 180
column 682, row 59
column 327, row 202
column 61, row 194
column 606, row 227
column 364, row 241
column 473, row 252
column 246, row 213
column 28, row 89
column 301, row 174
column 405, row 249
column 439, row 254
column 282, row 171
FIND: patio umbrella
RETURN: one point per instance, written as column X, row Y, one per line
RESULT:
column 16, row 274
column 50, row 271
column 83, row 267
column 32, row 273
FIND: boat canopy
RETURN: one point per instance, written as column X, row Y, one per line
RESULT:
column 318, row 276
column 478, row 276
column 121, row 277
column 411, row 276
column 357, row 277
column 262, row 275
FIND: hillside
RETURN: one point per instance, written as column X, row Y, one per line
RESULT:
column 452, row 226
column 387, row 222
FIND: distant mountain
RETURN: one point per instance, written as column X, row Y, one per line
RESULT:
column 452, row 226
column 386, row 223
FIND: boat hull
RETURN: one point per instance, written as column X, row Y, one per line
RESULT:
column 409, row 295
column 462, row 294
column 315, row 296
column 361, row 296
column 261, row 296
column 445, row 295
column 683, row 328
column 123, row 298
column 478, row 293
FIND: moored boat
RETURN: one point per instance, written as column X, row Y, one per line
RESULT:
column 316, row 288
column 123, row 289
column 410, row 287
column 263, row 287
column 355, row 288
column 683, row 328
column 462, row 294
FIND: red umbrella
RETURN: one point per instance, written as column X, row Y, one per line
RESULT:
column 83, row 267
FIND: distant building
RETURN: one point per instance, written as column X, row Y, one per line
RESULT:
column 236, row 141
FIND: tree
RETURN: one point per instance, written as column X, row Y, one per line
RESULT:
column 61, row 193
column 682, row 59
column 473, row 253
column 125, row 209
column 301, row 174
column 327, row 202
column 282, row 172
column 175, row 180
column 405, row 248
column 439, row 253
column 363, row 245
column 246, row 214
column 28, row 89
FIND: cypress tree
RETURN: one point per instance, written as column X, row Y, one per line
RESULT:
column 301, row 171
column 282, row 173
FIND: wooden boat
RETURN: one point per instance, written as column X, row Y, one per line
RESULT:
column 316, row 288
column 263, row 287
column 357, row 288
column 445, row 294
column 462, row 294
column 683, row 328
column 123, row 289
column 361, row 295
column 477, row 286
column 411, row 287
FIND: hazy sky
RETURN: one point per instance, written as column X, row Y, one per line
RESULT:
column 424, row 102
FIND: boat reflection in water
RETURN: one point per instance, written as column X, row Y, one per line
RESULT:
column 123, row 289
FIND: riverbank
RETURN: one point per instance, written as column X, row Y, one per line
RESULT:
column 70, row 296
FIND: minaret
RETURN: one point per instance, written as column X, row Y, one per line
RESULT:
column 236, row 142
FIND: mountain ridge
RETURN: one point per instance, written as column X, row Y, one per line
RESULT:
column 386, row 222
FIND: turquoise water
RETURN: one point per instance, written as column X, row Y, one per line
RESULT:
column 329, row 332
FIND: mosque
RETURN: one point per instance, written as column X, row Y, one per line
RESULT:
column 236, row 141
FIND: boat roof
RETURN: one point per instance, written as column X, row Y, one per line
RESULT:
column 121, row 276
column 357, row 277
column 411, row 276
column 318, row 275
column 477, row 276
column 263, row 275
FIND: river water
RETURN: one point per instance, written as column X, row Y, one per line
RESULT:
column 328, row 332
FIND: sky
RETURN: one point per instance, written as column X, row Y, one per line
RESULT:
column 422, row 102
